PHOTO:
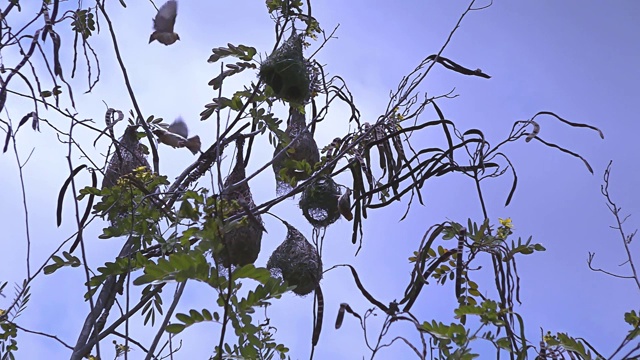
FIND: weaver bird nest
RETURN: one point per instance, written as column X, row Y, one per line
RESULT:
column 287, row 72
column 297, row 261
column 129, row 155
column 319, row 202
column 242, row 241
column 298, row 161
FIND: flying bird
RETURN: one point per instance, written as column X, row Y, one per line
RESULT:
column 164, row 22
column 177, row 136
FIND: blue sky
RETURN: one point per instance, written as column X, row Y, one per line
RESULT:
column 577, row 59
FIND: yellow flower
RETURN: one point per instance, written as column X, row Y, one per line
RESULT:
column 506, row 223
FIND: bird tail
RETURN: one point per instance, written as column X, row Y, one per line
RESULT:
column 193, row 144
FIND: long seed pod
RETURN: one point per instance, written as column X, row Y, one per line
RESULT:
column 459, row 264
column 317, row 321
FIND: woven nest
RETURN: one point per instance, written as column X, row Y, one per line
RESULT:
column 129, row 156
column 303, row 148
column 297, row 261
column 319, row 202
column 287, row 72
column 242, row 243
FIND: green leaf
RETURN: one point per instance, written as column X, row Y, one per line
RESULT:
column 196, row 316
column 539, row 247
column 249, row 271
column 185, row 318
column 187, row 211
column 236, row 103
column 504, row 343
column 175, row 328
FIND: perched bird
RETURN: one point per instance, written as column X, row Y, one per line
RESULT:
column 164, row 22
column 177, row 136
column 344, row 204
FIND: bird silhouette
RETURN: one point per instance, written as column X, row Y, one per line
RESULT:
column 177, row 136
column 163, row 24
column 344, row 204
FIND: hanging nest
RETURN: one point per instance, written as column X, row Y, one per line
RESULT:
column 303, row 148
column 129, row 155
column 287, row 72
column 319, row 202
column 128, row 160
column 297, row 261
column 242, row 243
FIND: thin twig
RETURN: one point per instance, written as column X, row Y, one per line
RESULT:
column 167, row 318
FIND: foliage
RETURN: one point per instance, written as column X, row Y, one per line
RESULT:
column 176, row 230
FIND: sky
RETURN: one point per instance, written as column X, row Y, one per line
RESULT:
column 577, row 59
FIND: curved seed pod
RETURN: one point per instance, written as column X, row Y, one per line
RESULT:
column 303, row 148
column 242, row 242
column 298, row 262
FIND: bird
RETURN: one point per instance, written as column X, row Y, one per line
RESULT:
column 177, row 136
column 163, row 24
column 344, row 204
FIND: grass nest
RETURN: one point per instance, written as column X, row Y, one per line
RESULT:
column 297, row 261
column 242, row 243
column 287, row 72
column 319, row 202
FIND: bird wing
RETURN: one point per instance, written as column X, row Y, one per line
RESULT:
column 166, row 17
column 178, row 126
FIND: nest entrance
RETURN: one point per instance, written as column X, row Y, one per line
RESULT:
column 319, row 202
